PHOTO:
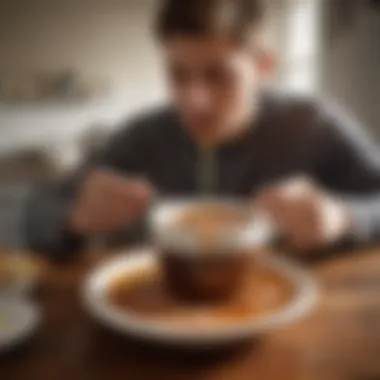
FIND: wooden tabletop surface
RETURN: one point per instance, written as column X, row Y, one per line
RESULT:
column 340, row 341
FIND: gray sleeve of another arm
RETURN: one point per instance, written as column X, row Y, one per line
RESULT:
column 351, row 169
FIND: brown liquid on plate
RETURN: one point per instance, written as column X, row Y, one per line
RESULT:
column 145, row 295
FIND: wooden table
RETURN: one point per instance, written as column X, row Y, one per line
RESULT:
column 341, row 341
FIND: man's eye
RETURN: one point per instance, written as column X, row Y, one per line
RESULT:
column 179, row 75
column 216, row 76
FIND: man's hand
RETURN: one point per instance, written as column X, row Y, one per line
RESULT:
column 305, row 215
column 107, row 202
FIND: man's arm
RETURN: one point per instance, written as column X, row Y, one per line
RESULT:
column 341, row 202
column 349, row 165
column 56, row 224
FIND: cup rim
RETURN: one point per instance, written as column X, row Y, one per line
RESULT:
column 257, row 233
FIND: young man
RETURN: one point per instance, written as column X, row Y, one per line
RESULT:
column 222, row 135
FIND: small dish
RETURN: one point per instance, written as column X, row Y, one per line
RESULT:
column 132, row 262
column 18, row 320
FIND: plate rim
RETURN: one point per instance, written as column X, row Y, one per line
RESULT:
column 302, row 304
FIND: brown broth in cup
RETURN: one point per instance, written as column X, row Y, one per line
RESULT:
column 204, row 279
column 211, row 271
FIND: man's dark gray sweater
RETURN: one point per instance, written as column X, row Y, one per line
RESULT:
column 292, row 136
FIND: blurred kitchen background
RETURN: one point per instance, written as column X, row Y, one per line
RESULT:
column 72, row 70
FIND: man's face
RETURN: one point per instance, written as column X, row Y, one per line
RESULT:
column 213, row 84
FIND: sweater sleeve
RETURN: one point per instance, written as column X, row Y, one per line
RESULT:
column 349, row 165
column 48, row 207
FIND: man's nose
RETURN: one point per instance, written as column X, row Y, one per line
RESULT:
column 198, row 97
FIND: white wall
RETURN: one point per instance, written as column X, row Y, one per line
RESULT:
column 351, row 62
column 101, row 38
column 106, row 39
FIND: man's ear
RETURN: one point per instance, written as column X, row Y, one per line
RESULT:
column 266, row 61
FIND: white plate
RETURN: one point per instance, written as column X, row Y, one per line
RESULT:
column 18, row 320
column 99, row 280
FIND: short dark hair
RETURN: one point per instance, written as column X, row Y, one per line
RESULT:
column 236, row 18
